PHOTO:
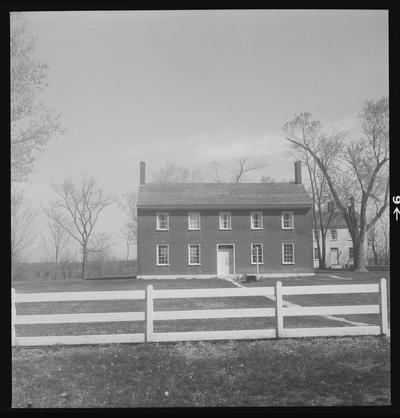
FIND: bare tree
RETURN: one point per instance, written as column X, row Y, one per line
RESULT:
column 244, row 166
column 356, row 172
column 22, row 234
column 323, row 209
column 59, row 239
column 67, row 260
column 99, row 253
column 267, row 179
column 215, row 172
column 128, row 204
column 378, row 241
column 78, row 209
column 31, row 123
column 172, row 173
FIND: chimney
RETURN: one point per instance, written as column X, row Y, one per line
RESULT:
column 297, row 172
column 142, row 172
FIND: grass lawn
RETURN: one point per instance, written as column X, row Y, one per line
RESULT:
column 341, row 278
column 293, row 372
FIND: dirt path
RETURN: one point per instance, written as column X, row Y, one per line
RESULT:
column 291, row 304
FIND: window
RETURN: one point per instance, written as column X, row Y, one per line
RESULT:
column 194, row 254
column 349, row 236
column 351, row 253
column 194, row 221
column 256, row 220
column 287, row 220
column 162, row 221
column 316, row 254
column 162, row 255
column 288, row 253
column 225, row 220
column 333, row 234
column 256, row 253
column 315, row 232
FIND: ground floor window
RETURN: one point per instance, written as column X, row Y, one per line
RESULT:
column 288, row 253
column 316, row 254
column 351, row 253
column 194, row 254
column 256, row 253
column 162, row 255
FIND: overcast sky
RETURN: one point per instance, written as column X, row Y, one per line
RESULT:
column 191, row 87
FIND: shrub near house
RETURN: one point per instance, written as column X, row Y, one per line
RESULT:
column 219, row 229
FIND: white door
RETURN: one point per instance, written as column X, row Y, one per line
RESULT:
column 334, row 256
column 225, row 260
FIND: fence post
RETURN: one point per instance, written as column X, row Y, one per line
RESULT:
column 13, row 314
column 383, row 307
column 149, row 314
column 279, row 309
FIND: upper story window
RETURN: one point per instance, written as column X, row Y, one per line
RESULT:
column 194, row 254
column 225, row 220
column 287, row 220
column 163, row 255
column 162, row 221
column 256, row 253
column 287, row 253
column 315, row 234
column 333, row 234
column 194, row 221
column 256, row 219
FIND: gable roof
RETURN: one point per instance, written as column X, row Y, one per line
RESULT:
column 227, row 195
column 337, row 221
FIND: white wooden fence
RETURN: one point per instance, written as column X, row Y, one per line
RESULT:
column 149, row 316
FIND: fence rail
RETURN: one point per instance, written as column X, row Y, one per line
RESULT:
column 279, row 312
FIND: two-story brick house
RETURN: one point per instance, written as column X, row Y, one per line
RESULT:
column 201, row 230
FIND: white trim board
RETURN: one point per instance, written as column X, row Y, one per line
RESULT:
column 176, row 276
column 216, row 276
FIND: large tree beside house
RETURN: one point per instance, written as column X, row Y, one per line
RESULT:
column 77, row 210
column 356, row 171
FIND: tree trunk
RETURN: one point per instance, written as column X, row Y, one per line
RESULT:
column 376, row 260
column 360, row 255
column 84, row 261
column 56, row 266
column 323, row 251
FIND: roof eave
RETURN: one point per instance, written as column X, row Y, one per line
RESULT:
column 227, row 206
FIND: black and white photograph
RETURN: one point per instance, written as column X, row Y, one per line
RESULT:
column 200, row 208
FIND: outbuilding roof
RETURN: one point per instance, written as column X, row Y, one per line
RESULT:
column 336, row 222
column 227, row 195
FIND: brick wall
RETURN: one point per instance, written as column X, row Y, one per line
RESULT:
column 178, row 237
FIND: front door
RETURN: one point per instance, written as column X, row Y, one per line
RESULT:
column 334, row 256
column 224, row 260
